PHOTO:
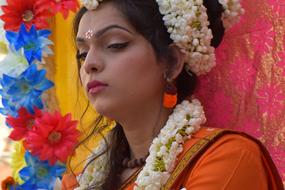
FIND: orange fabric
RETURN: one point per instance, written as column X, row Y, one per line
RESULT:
column 69, row 182
column 233, row 162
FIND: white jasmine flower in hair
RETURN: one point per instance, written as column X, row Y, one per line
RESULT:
column 91, row 4
column 232, row 13
column 188, row 26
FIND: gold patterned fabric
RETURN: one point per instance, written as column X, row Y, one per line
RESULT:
column 246, row 90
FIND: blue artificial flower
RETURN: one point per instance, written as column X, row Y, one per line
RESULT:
column 39, row 174
column 34, row 42
column 23, row 91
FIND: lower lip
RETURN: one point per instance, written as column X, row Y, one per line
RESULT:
column 96, row 89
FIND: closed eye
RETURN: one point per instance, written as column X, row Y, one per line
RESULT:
column 81, row 57
column 118, row 45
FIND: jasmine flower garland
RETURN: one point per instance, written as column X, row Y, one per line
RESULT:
column 187, row 23
column 185, row 120
column 96, row 171
column 233, row 11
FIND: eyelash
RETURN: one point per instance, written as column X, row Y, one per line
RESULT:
column 81, row 57
column 116, row 46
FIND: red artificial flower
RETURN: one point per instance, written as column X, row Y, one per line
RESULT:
column 64, row 6
column 22, row 123
column 53, row 138
column 28, row 12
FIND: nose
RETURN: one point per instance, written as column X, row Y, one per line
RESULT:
column 93, row 62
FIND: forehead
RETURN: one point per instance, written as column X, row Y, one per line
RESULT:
column 105, row 15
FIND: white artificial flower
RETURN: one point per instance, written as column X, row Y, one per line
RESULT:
column 57, row 185
column 13, row 64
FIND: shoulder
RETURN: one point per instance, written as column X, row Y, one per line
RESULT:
column 230, row 158
column 228, row 141
column 214, row 142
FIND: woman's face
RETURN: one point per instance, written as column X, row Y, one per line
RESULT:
column 119, row 70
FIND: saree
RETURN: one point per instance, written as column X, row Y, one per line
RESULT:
column 216, row 159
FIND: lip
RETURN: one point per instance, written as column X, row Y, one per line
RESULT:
column 95, row 86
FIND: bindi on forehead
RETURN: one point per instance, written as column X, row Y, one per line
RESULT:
column 89, row 34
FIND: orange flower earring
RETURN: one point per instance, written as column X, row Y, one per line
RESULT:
column 170, row 95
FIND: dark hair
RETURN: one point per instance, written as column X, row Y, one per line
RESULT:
column 145, row 17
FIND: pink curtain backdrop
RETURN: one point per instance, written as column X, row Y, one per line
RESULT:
column 246, row 91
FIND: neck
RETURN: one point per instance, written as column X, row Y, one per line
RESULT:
column 143, row 125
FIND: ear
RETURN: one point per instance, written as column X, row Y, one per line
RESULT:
column 179, row 58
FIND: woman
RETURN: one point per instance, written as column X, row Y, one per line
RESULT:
column 138, row 62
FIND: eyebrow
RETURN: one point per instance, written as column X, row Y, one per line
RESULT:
column 102, row 31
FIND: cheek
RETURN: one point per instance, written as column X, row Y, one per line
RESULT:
column 138, row 74
column 83, row 76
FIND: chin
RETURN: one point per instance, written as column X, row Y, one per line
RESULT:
column 104, row 108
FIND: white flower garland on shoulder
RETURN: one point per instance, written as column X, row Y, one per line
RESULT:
column 188, row 26
column 97, row 170
column 185, row 120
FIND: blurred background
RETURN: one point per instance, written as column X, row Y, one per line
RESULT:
column 5, row 150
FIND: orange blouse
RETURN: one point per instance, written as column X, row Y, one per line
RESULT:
column 233, row 162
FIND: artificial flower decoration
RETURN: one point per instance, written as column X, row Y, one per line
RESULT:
column 8, row 183
column 18, row 161
column 28, row 12
column 23, row 91
column 13, row 64
column 3, row 43
column 35, row 43
column 54, row 137
column 39, row 174
column 64, row 6
column 22, row 123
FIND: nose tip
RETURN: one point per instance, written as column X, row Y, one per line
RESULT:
column 91, row 68
column 92, row 64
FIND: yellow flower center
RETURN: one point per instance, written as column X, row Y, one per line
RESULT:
column 25, row 87
column 28, row 15
column 54, row 137
column 42, row 172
